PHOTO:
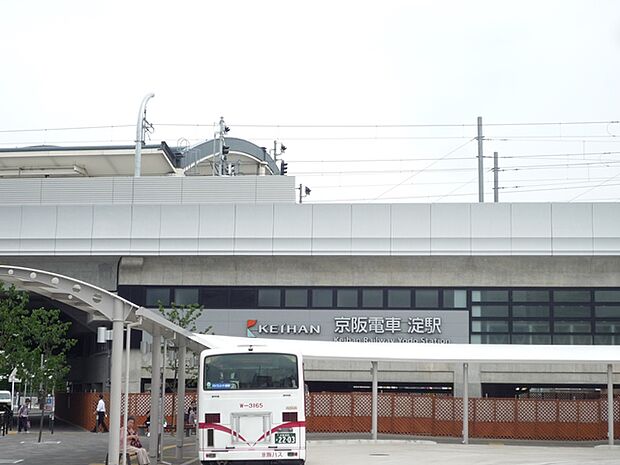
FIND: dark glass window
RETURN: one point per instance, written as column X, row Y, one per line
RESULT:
column 489, row 296
column 531, row 339
column 571, row 296
column 489, row 311
column 250, row 371
column 530, row 296
column 215, row 298
column 426, row 298
column 607, row 311
column 607, row 296
column 296, row 298
column 185, row 295
column 346, row 298
column 582, row 339
column 490, row 338
column 530, row 311
column 372, row 298
column 572, row 326
column 243, row 298
column 607, row 339
column 608, row 326
column 572, row 311
column 269, row 297
column 489, row 326
column 455, row 298
column 157, row 295
column 322, row 298
column 399, row 298
column 530, row 327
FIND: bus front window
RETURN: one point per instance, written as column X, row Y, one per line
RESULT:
column 250, row 370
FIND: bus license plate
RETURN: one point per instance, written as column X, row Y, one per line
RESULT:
column 285, row 438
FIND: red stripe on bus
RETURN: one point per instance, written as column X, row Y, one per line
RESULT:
column 290, row 424
column 223, row 428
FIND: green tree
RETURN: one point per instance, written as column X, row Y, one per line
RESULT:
column 13, row 310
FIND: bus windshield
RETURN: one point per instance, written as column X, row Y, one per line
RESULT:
column 250, row 370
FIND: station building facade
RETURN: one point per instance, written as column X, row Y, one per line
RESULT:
column 262, row 265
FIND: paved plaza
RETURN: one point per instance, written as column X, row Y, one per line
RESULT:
column 73, row 446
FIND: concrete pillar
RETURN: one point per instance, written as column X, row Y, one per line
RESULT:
column 610, row 403
column 116, row 382
column 181, row 398
column 474, row 379
column 155, row 388
column 375, row 400
column 465, row 403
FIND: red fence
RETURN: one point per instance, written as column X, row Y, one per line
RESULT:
column 407, row 414
column 575, row 420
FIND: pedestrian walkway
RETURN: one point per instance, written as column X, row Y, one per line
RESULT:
column 73, row 446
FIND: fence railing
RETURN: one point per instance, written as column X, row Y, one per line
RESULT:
column 407, row 414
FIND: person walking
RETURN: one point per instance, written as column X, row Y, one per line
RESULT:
column 23, row 422
column 100, row 412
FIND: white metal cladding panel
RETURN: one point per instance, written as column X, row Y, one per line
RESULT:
column 38, row 230
column 20, row 191
column 490, row 228
column 253, row 229
column 292, row 229
column 145, row 229
column 571, row 229
column 606, row 228
column 531, row 228
column 10, row 225
column 58, row 191
column 370, row 229
column 216, row 229
column 200, row 189
column 411, row 229
column 148, row 190
column 74, row 230
column 179, row 229
column 111, row 229
column 275, row 189
column 450, row 229
column 122, row 190
column 221, row 189
column 331, row 229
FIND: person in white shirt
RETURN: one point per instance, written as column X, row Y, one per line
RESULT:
column 100, row 412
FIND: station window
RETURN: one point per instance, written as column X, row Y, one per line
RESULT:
column 530, row 326
column 215, row 297
column 243, row 298
column 346, row 298
column 570, row 339
column 157, row 295
column 426, row 298
column 530, row 311
column 372, row 298
column 453, row 298
column 490, row 339
column 571, row 296
column 269, row 297
column 399, row 298
column 489, row 311
column 185, row 296
column 607, row 326
column 489, row 326
column 607, row 311
column 489, row 296
column 297, row 298
column 322, row 298
column 530, row 296
column 607, row 339
column 572, row 326
column 571, row 311
column 607, row 296
column 531, row 339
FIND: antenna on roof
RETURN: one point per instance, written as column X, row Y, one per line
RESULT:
column 142, row 127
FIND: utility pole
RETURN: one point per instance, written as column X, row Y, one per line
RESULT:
column 480, row 162
column 495, row 178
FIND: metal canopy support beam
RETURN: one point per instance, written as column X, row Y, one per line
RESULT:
column 155, row 388
column 610, row 403
column 375, row 400
column 465, row 404
column 115, row 383
column 181, row 398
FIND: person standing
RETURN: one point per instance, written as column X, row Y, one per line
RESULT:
column 100, row 411
column 23, row 421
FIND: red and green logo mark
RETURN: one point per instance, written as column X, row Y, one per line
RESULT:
column 249, row 325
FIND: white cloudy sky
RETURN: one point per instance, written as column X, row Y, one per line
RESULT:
column 338, row 63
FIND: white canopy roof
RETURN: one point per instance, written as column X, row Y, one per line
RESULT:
column 459, row 353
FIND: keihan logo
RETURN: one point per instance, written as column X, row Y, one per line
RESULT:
column 250, row 324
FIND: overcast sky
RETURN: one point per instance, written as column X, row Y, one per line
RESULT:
column 78, row 63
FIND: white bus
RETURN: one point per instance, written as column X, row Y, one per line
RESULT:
column 251, row 406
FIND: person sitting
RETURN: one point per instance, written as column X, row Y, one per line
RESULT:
column 134, row 446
